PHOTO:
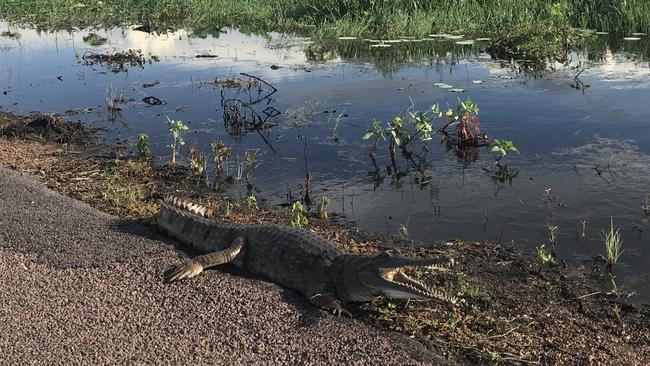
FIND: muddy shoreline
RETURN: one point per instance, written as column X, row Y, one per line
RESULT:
column 513, row 309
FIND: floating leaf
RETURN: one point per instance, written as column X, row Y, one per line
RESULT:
column 444, row 86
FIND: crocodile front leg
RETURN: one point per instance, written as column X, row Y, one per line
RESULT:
column 194, row 266
column 329, row 303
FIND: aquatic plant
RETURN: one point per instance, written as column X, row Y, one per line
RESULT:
column 613, row 243
column 144, row 148
column 462, row 128
column 113, row 101
column 502, row 147
column 177, row 128
column 297, row 215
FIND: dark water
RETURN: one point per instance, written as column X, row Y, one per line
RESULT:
column 585, row 147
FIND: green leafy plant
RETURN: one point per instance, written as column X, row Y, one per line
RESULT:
column 545, row 256
column 144, row 148
column 297, row 215
column 322, row 208
column 251, row 201
column 613, row 243
column 502, row 147
column 177, row 128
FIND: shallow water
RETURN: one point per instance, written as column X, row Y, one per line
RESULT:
column 566, row 135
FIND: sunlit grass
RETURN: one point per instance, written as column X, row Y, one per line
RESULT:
column 613, row 243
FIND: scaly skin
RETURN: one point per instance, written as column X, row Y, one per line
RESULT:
column 293, row 258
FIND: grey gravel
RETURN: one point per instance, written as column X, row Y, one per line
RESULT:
column 78, row 286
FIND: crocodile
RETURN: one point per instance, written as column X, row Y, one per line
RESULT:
column 293, row 258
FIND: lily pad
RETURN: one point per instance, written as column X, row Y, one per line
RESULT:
column 477, row 81
column 457, row 90
column 465, row 42
column 631, row 39
column 345, row 38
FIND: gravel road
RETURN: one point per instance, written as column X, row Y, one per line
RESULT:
column 78, row 286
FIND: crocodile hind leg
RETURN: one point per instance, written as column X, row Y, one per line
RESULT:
column 194, row 266
column 329, row 303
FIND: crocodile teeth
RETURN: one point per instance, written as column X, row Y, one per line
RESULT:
column 429, row 292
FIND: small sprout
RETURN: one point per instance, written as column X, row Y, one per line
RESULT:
column 251, row 201
column 198, row 161
column 613, row 242
column 144, row 148
column 495, row 357
column 227, row 208
column 553, row 231
column 177, row 128
column 404, row 229
column 545, row 256
column 390, row 306
column 453, row 324
column 616, row 290
column 502, row 147
column 322, row 208
column 221, row 154
column 298, row 219
column 250, row 160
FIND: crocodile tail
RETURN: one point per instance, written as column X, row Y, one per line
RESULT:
column 188, row 206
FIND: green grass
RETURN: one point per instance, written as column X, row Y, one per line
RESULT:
column 613, row 243
column 386, row 18
column 521, row 29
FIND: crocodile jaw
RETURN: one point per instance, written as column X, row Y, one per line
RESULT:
column 384, row 275
column 401, row 286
